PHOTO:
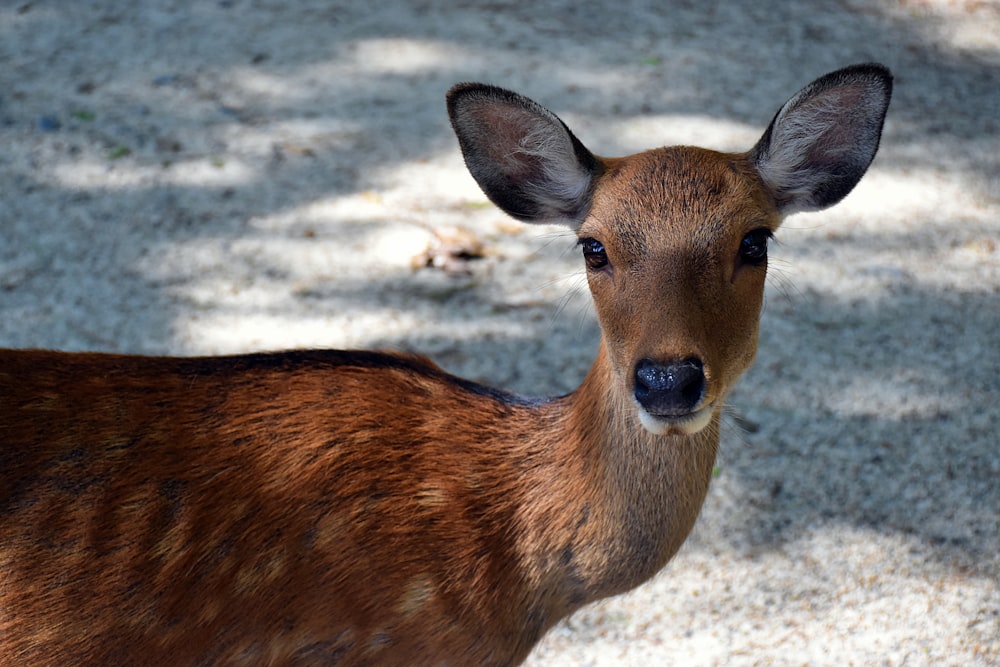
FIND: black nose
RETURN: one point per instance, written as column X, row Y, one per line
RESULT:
column 669, row 390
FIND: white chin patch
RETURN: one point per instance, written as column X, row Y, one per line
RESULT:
column 689, row 425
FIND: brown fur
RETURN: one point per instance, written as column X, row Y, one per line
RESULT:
column 303, row 508
column 359, row 508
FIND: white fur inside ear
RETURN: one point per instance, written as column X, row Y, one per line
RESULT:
column 798, row 136
column 822, row 140
column 523, row 157
column 564, row 185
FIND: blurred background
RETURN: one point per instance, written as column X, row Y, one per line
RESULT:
column 216, row 176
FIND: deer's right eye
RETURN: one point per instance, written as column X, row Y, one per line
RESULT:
column 594, row 254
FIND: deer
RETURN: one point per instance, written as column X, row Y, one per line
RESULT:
column 344, row 507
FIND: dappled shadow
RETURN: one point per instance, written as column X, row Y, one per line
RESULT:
column 234, row 120
column 142, row 183
column 220, row 122
column 885, row 422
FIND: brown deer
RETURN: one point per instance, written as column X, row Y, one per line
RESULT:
column 363, row 508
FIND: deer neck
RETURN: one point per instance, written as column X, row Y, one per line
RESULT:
column 616, row 501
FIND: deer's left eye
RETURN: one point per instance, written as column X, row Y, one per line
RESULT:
column 753, row 247
column 594, row 253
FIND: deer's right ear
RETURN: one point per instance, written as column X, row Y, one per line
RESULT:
column 523, row 157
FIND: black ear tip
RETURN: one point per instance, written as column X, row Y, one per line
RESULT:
column 876, row 72
column 482, row 91
column 872, row 68
column 463, row 88
column 880, row 72
column 461, row 95
column 458, row 92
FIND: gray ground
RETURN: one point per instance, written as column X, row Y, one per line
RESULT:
column 197, row 177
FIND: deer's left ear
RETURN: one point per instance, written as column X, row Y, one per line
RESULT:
column 523, row 157
column 821, row 141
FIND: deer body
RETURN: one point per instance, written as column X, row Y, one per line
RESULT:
column 268, row 456
column 360, row 508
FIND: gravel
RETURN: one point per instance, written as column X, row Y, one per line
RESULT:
column 220, row 176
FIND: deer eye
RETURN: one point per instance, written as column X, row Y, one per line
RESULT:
column 594, row 254
column 753, row 247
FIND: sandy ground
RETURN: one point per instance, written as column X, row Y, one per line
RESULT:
column 197, row 177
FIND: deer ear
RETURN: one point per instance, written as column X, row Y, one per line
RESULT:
column 523, row 157
column 821, row 141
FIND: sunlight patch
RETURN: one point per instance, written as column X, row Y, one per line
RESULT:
column 402, row 56
column 202, row 172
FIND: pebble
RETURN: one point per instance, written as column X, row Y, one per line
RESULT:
column 49, row 124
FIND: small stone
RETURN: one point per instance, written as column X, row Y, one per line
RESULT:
column 49, row 124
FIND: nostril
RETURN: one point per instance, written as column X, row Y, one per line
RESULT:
column 669, row 389
column 668, row 377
